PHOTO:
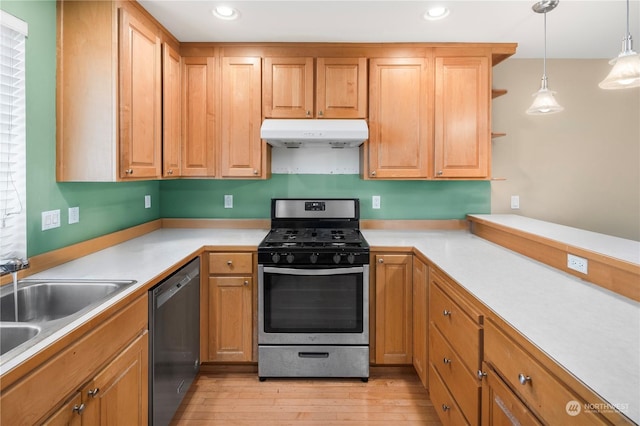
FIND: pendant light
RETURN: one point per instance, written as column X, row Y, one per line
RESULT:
column 544, row 100
column 626, row 67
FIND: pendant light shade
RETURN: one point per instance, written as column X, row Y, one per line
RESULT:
column 544, row 101
column 626, row 67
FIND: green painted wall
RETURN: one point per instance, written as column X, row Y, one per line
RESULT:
column 399, row 199
column 104, row 207
column 109, row 207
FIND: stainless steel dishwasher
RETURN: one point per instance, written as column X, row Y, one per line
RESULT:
column 174, row 345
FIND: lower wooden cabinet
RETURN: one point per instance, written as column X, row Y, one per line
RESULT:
column 393, row 307
column 102, row 378
column 229, row 308
column 421, row 320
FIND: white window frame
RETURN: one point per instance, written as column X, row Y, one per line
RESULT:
column 13, row 200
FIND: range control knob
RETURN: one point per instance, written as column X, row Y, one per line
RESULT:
column 275, row 257
column 314, row 257
column 336, row 258
column 351, row 258
column 290, row 258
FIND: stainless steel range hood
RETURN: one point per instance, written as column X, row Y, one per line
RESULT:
column 330, row 133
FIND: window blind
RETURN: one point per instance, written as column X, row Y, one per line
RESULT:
column 13, row 230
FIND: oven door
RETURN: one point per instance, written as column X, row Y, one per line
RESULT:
column 310, row 306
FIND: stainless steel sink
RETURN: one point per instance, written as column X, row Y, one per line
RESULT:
column 40, row 301
column 13, row 335
column 45, row 306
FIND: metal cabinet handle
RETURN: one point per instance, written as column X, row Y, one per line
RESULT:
column 229, row 262
column 439, row 173
column 169, row 172
column 255, row 172
column 446, row 360
column 129, row 171
column 380, row 260
column 446, row 313
column 78, row 409
column 445, row 407
column 246, row 282
column 308, row 113
column 320, row 114
column 481, row 374
column 93, row 392
column 523, row 379
column 373, row 173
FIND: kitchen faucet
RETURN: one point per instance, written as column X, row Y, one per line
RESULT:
column 11, row 265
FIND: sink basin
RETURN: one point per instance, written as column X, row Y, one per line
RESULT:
column 13, row 335
column 40, row 301
column 46, row 306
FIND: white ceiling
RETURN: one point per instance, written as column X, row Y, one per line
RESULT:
column 575, row 29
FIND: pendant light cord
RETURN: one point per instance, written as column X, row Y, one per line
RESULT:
column 544, row 60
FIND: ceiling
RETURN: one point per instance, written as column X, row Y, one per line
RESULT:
column 575, row 29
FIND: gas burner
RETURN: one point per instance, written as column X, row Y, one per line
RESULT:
column 286, row 244
column 338, row 244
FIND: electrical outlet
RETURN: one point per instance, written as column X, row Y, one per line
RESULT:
column 147, row 201
column 228, row 201
column 74, row 215
column 577, row 263
column 375, row 202
column 50, row 219
column 515, row 202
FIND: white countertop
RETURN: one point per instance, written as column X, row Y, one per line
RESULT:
column 591, row 332
column 607, row 245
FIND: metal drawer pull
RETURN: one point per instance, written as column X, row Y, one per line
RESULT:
column 445, row 407
column 313, row 354
column 93, row 392
column 481, row 374
column 446, row 312
column 523, row 379
column 229, row 262
column 246, row 282
column 78, row 408
column 446, row 360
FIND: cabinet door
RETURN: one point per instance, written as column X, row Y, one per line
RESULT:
column 241, row 146
column 400, row 116
column 230, row 318
column 421, row 320
column 198, row 145
column 69, row 414
column 118, row 395
column 462, row 117
column 341, row 88
column 171, row 112
column 394, row 334
column 500, row 407
column 288, row 88
column 140, row 99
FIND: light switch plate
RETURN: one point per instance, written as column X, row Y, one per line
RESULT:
column 50, row 219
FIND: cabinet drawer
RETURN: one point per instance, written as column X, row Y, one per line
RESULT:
column 230, row 263
column 464, row 387
column 462, row 332
column 539, row 390
column 444, row 404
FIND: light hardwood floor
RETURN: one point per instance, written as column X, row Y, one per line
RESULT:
column 391, row 397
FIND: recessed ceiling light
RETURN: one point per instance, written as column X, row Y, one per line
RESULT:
column 435, row 13
column 225, row 12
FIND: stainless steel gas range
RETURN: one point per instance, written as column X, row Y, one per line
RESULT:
column 313, row 284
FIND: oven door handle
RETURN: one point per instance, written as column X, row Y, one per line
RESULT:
column 313, row 272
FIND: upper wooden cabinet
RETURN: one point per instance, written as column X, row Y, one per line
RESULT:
column 242, row 152
column 340, row 88
column 462, row 142
column 198, row 118
column 171, row 111
column 400, row 119
column 109, row 123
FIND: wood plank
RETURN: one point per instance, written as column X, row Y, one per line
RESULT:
column 392, row 396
